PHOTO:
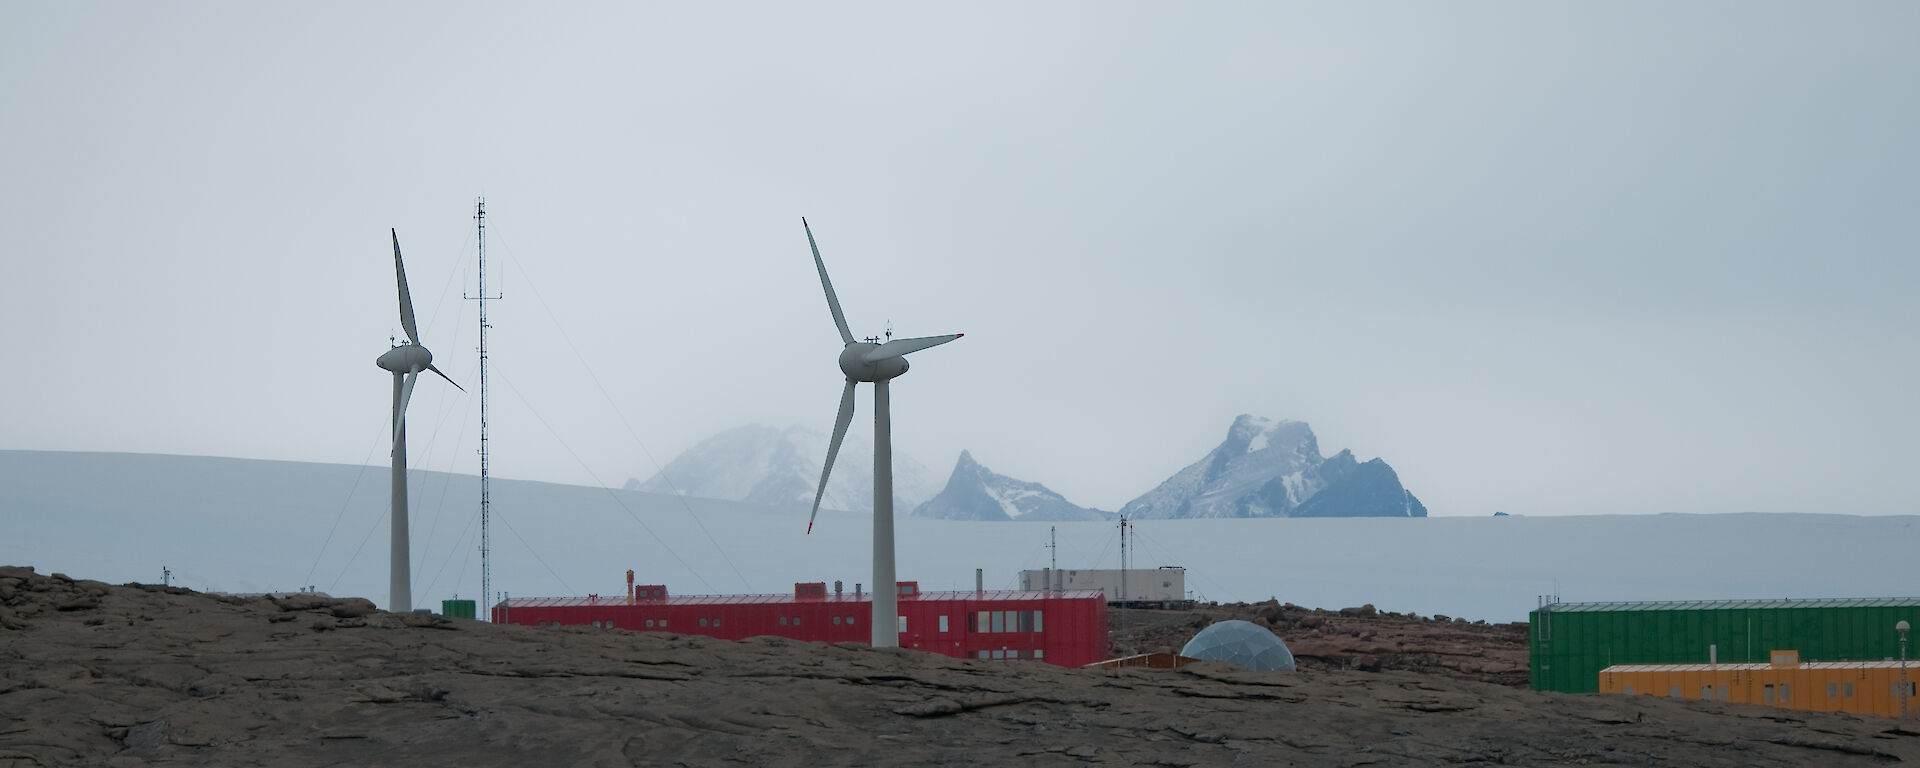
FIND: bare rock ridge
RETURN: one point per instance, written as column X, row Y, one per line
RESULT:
column 96, row 674
column 1267, row 468
column 974, row 492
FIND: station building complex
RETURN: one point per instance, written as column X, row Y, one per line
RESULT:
column 1065, row 628
column 1837, row 655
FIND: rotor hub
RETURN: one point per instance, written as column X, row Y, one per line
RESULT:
column 406, row 358
column 853, row 363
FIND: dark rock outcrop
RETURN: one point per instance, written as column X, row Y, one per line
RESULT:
column 154, row 676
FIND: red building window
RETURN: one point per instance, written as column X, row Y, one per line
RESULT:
column 1008, row 621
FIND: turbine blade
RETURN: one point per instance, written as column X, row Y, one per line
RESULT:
column 400, row 411
column 899, row 347
column 456, row 385
column 833, row 448
column 833, row 302
column 406, row 299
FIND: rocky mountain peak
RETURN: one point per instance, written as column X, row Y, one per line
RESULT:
column 974, row 492
column 1273, row 468
column 1253, row 434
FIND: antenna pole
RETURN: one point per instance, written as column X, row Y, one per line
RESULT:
column 1123, row 582
column 486, row 494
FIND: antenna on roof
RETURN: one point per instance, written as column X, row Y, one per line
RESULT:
column 1123, row 580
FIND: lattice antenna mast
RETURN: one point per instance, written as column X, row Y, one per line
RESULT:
column 1122, row 604
column 486, row 490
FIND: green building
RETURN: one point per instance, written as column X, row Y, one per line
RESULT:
column 457, row 609
column 1572, row 642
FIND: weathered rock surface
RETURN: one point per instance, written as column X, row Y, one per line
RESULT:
column 1360, row 638
column 156, row 676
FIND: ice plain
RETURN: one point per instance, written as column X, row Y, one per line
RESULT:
column 261, row 526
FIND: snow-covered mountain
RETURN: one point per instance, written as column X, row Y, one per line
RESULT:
column 1269, row 468
column 974, row 492
column 780, row 467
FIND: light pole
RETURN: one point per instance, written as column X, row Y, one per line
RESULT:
column 1902, row 628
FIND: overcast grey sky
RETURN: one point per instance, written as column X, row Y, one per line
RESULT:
column 1546, row 258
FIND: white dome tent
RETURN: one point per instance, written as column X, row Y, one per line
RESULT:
column 1243, row 643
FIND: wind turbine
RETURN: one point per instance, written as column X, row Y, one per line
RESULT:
column 406, row 361
column 878, row 363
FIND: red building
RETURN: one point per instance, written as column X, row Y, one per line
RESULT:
column 1064, row 628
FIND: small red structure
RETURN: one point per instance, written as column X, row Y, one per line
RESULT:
column 1068, row 629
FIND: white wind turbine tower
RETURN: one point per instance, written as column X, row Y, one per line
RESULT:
column 873, row 362
column 406, row 361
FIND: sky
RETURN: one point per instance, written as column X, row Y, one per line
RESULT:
column 1543, row 258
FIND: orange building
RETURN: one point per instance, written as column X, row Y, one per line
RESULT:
column 1854, row 687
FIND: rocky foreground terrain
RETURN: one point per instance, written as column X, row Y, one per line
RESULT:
column 135, row 675
column 1362, row 639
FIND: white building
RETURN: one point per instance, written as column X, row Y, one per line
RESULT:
column 1133, row 586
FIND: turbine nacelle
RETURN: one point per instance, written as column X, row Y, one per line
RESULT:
column 855, row 362
column 406, row 358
